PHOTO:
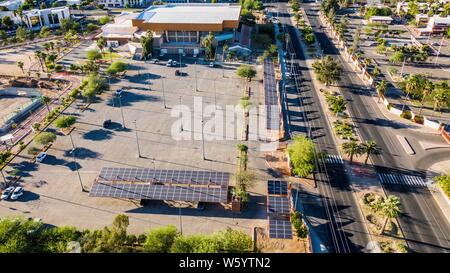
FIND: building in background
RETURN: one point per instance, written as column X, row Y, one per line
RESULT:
column 11, row 4
column 180, row 27
column 51, row 17
column 120, row 31
column 436, row 26
column 124, row 3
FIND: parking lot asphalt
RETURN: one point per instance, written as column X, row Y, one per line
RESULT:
column 53, row 191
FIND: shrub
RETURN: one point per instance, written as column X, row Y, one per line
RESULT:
column 444, row 182
column 242, row 147
column 418, row 119
column 33, row 150
column 58, row 68
column 65, row 121
column 406, row 114
column 299, row 226
column 104, row 20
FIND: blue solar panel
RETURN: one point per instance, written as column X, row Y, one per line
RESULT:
column 278, row 204
column 276, row 187
column 280, row 228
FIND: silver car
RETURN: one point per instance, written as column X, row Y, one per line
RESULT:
column 17, row 193
column 6, row 193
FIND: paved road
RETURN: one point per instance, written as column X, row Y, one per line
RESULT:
column 423, row 223
column 347, row 231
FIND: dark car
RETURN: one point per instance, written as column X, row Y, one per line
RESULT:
column 177, row 73
column 106, row 123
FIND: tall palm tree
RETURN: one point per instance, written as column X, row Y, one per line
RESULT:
column 352, row 148
column 20, row 65
column 46, row 100
column 440, row 99
column 38, row 55
column 381, row 89
column 390, row 208
column 370, row 148
column 428, row 87
column 328, row 70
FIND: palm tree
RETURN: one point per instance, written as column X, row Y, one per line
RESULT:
column 351, row 148
column 370, row 148
column 428, row 87
column 20, row 65
column 390, row 208
column 328, row 70
column 46, row 100
column 440, row 99
column 39, row 56
column 101, row 43
column 381, row 89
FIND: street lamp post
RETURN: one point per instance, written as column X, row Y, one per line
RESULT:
column 121, row 111
column 137, row 139
column 215, row 94
column 203, row 140
column 75, row 160
column 196, row 84
column 181, row 222
column 164, row 95
column 181, row 116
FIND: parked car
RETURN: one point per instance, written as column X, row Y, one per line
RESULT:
column 106, row 123
column 154, row 61
column 177, row 73
column 41, row 156
column 17, row 193
column 169, row 63
column 119, row 91
column 174, row 63
column 201, row 206
column 6, row 193
column 211, row 64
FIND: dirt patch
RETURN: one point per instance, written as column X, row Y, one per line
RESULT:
column 267, row 245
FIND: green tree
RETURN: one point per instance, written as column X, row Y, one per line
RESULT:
column 147, row 45
column 337, row 103
column 441, row 98
column 93, row 55
column 309, row 38
column 244, row 180
column 328, row 70
column 246, row 71
column 7, row 22
column 45, row 138
column 46, row 100
column 397, row 57
column 444, row 182
column 207, row 43
column 247, row 17
column 101, row 43
column 65, row 121
column 390, row 208
column 20, row 65
column 104, row 20
column 116, row 67
column 17, row 235
column 352, row 148
column 302, row 156
column 21, row 34
column 370, row 148
column 381, row 88
column 45, row 32
column 414, row 85
column 160, row 240
column 195, row 244
column 428, row 87
column 234, row 241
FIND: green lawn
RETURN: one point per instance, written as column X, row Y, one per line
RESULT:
column 108, row 56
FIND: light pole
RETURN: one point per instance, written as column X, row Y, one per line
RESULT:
column 137, row 139
column 215, row 93
column 181, row 116
column 121, row 111
column 439, row 51
column 203, row 140
column 196, row 84
column 164, row 95
column 74, row 159
column 403, row 65
column 181, row 223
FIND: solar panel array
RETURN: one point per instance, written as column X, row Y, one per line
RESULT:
column 278, row 204
column 174, row 185
column 169, row 176
column 271, row 98
column 159, row 192
column 276, row 187
column 278, row 209
column 280, row 228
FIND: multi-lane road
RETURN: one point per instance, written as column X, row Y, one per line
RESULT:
column 425, row 227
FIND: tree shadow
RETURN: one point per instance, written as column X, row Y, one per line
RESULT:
column 129, row 98
column 98, row 135
column 82, row 153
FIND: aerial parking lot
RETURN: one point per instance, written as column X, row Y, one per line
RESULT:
column 53, row 187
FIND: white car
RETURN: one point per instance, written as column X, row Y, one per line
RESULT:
column 7, row 192
column 211, row 64
column 169, row 63
column 17, row 193
column 119, row 91
column 41, row 156
column 174, row 63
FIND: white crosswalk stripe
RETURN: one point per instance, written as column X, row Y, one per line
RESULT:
column 334, row 159
column 409, row 180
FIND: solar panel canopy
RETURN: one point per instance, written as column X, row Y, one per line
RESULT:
column 276, row 187
column 174, row 185
column 278, row 204
column 270, row 95
column 280, row 228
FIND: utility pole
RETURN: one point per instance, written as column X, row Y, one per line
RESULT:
column 181, row 223
column 137, row 139
column 164, row 95
column 121, row 111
